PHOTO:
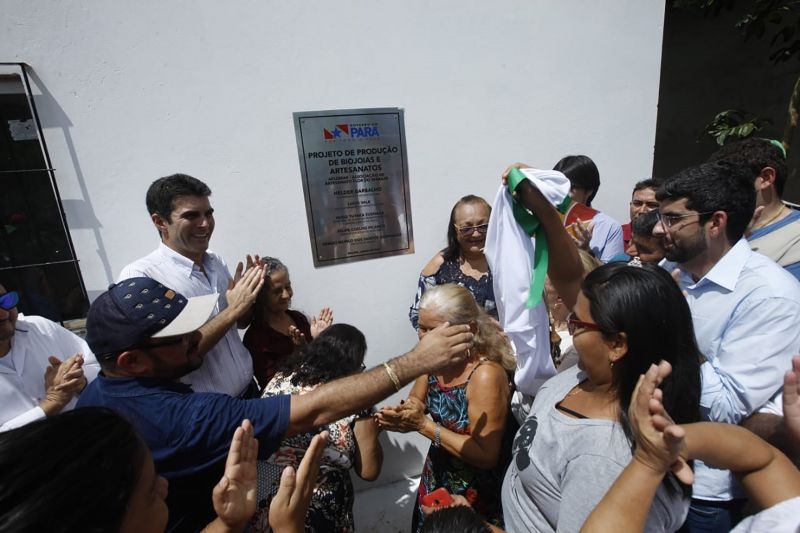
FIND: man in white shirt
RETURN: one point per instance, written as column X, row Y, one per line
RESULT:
column 745, row 309
column 179, row 208
column 43, row 367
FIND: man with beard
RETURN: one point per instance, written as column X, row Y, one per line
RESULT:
column 745, row 308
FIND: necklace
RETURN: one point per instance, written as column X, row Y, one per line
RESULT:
column 771, row 220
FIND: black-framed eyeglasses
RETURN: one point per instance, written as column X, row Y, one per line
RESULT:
column 9, row 300
column 469, row 230
column 573, row 324
column 668, row 220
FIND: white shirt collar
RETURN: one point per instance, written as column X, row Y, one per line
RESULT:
column 725, row 272
column 182, row 262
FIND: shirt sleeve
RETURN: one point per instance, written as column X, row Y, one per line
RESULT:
column 606, row 238
column 756, row 351
column 24, row 418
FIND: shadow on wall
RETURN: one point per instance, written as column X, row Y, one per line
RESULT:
column 80, row 211
column 707, row 67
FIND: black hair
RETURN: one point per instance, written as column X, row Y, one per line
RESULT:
column 162, row 193
column 649, row 183
column 75, row 471
column 646, row 304
column 755, row 154
column 336, row 352
column 453, row 250
column 644, row 223
column 719, row 186
column 456, row 518
column 581, row 172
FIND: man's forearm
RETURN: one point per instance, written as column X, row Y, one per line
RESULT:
column 348, row 395
column 212, row 331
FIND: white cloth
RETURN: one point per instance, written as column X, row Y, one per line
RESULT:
column 509, row 252
column 22, row 368
column 745, row 312
column 227, row 367
column 781, row 518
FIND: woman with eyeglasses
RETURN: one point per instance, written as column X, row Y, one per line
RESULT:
column 462, row 262
column 577, row 437
column 468, row 405
column 337, row 352
column 276, row 331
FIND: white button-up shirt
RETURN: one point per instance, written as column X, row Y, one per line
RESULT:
column 746, row 314
column 227, row 367
column 22, row 368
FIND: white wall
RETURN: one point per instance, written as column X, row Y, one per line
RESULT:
column 131, row 91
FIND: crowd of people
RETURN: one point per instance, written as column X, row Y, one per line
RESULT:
column 572, row 373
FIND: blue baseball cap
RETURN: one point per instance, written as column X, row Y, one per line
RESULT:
column 138, row 309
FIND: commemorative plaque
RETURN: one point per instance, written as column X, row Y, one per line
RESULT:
column 355, row 181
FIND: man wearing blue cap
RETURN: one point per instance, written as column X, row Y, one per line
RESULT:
column 145, row 337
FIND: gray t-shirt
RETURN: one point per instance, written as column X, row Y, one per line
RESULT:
column 562, row 467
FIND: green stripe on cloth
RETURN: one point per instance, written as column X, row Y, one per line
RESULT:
column 530, row 224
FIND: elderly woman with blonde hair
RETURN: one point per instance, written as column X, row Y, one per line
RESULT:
column 468, row 405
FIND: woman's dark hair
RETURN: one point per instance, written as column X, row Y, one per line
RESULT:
column 457, row 518
column 338, row 351
column 581, row 172
column 453, row 250
column 647, row 305
column 75, row 471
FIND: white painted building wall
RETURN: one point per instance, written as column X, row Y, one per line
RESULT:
column 131, row 91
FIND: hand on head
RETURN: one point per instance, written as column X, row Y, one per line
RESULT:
column 235, row 495
column 508, row 170
column 659, row 441
column 287, row 511
column 443, row 346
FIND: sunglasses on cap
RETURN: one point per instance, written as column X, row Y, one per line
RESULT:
column 9, row 300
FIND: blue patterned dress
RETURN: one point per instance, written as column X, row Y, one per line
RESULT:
column 448, row 406
column 450, row 272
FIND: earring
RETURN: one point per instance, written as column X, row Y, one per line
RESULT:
column 611, row 364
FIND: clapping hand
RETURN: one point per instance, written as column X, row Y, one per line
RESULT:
column 235, row 495
column 659, row 441
column 581, row 233
column 791, row 401
column 62, row 382
column 404, row 418
column 321, row 322
column 297, row 336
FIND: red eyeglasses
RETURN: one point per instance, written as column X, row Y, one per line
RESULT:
column 573, row 324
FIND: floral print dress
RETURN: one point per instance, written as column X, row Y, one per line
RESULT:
column 331, row 508
column 449, row 407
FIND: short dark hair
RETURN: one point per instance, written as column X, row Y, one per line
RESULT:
column 162, row 193
column 719, row 186
column 646, row 304
column 644, row 223
column 755, row 154
column 336, row 352
column 649, row 183
column 453, row 250
column 581, row 172
column 75, row 471
column 456, row 518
